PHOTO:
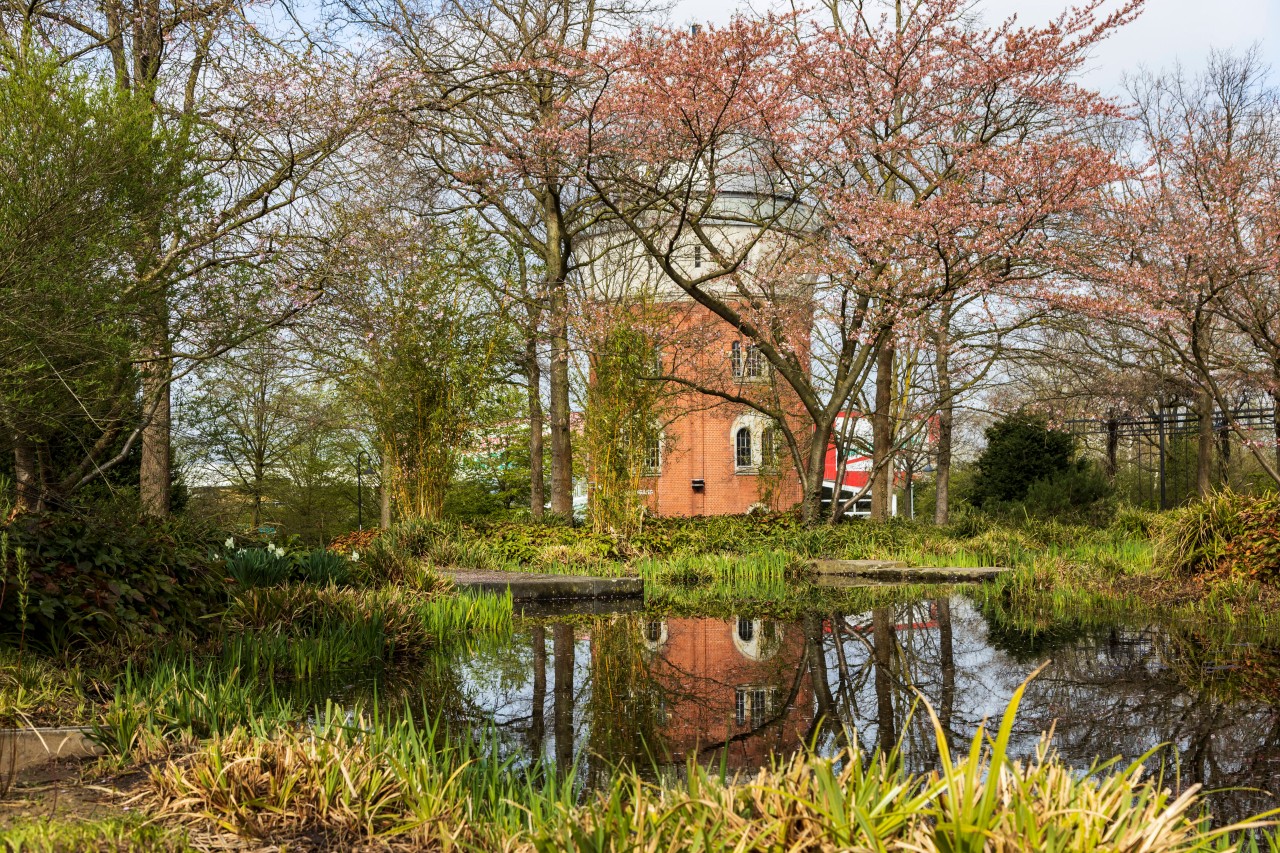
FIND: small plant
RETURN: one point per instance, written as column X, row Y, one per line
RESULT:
column 250, row 567
column 324, row 567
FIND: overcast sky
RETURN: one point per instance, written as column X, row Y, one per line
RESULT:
column 1169, row 31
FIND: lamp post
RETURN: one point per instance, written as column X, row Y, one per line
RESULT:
column 361, row 470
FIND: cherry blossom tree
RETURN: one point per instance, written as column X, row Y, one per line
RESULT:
column 1203, row 234
column 882, row 163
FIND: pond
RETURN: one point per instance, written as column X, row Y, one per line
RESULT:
column 586, row 692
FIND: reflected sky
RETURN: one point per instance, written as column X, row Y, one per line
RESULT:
column 588, row 693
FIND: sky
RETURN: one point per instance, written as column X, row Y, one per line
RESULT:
column 1168, row 32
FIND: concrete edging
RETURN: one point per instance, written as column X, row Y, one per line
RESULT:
column 889, row 570
column 538, row 587
column 21, row 749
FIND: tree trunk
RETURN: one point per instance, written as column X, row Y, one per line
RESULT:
column 1204, row 456
column 533, row 373
column 1275, row 419
column 562, row 648
column 815, row 474
column 561, row 440
column 946, row 651
column 537, row 717
column 26, row 475
column 154, row 475
column 882, row 435
column 1224, row 454
column 828, row 715
column 882, row 639
column 946, row 421
column 384, row 491
column 1113, row 446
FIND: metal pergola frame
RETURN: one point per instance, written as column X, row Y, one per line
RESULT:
column 1156, row 429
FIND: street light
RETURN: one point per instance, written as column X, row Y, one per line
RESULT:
column 366, row 468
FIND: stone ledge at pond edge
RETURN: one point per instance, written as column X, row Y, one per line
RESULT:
column 887, row 570
column 24, row 748
column 528, row 586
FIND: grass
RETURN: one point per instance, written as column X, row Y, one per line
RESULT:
column 456, row 617
column 401, row 784
column 36, row 687
column 129, row 834
column 173, row 701
column 351, row 780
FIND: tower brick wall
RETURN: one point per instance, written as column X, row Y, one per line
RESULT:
column 699, row 437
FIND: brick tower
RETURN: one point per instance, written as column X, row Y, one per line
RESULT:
column 714, row 456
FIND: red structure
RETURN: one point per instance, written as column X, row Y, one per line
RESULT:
column 716, row 457
column 739, row 683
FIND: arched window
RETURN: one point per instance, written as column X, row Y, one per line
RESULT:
column 653, row 632
column 746, row 629
column 742, row 448
column 769, row 448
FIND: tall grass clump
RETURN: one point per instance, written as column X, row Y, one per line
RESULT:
column 40, row 690
column 349, row 780
column 453, row 617
column 171, row 701
column 305, row 631
column 401, row 551
column 1229, row 532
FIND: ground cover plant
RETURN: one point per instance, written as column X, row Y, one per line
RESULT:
column 76, row 578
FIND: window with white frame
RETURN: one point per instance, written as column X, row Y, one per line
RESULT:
column 653, row 454
column 746, row 362
column 769, row 448
column 753, row 705
column 743, row 458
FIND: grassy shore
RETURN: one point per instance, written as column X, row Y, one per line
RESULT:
column 369, row 782
column 759, row 564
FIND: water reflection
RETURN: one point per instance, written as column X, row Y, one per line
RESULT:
column 656, row 692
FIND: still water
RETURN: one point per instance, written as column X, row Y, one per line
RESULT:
column 588, row 692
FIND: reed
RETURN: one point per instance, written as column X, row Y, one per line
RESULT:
column 456, row 617
column 172, row 701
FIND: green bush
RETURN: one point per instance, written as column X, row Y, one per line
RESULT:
column 1021, row 450
column 322, row 567
column 1080, row 490
column 95, row 578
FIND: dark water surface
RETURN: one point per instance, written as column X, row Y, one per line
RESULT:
column 588, row 692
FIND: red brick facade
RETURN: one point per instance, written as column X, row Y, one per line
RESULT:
column 700, row 471
column 740, row 682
